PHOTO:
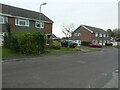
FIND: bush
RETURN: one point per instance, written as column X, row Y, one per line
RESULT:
column 10, row 42
column 85, row 43
column 55, row 45
column 26, row 42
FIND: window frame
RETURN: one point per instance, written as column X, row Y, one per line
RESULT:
column 104, row 35
column 41, row 24
column 100, row 35
column 18, row 20
column 2, row 17
column 96, row 34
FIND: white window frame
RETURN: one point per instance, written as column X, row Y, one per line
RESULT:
column 18, row 20
column 100, row 35
column 104, row 35
column 75, row 34
column 3, row 20
column 104, row 41
column 78, row 34
column 41, row 24
column 96, row 34
column 100, row 41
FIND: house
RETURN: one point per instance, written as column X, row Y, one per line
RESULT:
column 24, row 20
column 91, row 34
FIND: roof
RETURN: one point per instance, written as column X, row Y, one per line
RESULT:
column 15, row 11
column 95, row 29
column 92, row 29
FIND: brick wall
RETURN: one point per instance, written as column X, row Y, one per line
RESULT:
column 48, row 28
column 86, row 36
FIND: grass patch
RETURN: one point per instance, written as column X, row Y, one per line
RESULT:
column 116, row 46
column 89, row 48
column 111, row 47
column 5, row 52
column 62, row 50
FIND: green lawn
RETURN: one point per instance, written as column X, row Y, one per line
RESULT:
column 62, row 50
column 5, row 52
column 89, row 48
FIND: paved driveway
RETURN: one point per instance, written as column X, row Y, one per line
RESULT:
column 75, row 70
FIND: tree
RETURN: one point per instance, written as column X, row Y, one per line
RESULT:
column 67, row 30
column 110, row 32
column 116, row 33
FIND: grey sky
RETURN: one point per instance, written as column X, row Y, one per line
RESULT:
column 98, row 13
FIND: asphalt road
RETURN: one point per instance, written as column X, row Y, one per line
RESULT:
column 74, row 70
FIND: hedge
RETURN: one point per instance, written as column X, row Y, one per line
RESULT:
column 85, row 43
column 26, row 42
column 55, row 45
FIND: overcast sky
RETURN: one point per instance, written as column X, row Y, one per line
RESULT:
column 97, row 13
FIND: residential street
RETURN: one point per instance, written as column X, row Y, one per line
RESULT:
column 74, row 70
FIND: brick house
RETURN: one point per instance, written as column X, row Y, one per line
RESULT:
column 86, row 33
column 24, row 20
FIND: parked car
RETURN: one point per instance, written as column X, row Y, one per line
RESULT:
column 69, row 43
column 95, row 45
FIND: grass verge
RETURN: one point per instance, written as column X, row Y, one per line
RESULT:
column 89, row 48
column 62, row 50
column 5, row 52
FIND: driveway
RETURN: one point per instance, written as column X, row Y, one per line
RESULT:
column 73, row 70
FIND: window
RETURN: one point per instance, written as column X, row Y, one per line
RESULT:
column 77, row 34
column 1, row 35
column 39, row 25
column 104, row 35
column 1, row 19
column 96, row 34
column 104, row 41
column 100, row 41
column 22, row 22
column 100, row 34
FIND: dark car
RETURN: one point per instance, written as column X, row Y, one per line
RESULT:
column 69, row 43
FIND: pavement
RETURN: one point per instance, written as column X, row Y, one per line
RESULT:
column 74, row 70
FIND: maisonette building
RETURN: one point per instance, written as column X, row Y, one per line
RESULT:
column 24, row 20
column 85, row 33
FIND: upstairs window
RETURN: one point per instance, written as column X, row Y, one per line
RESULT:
column 39, row 25
column 2, row 21
column 77, row 34
column 104, row 35
column 96, row 34
column 100, row 34
column 22, row 22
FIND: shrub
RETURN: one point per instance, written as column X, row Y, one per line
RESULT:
column 85, row 43
column 10, row 42
column 55, row 45
column 26, row 42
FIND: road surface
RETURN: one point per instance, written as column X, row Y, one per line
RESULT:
column 73, row 70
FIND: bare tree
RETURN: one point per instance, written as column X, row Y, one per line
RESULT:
column 67, row 30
